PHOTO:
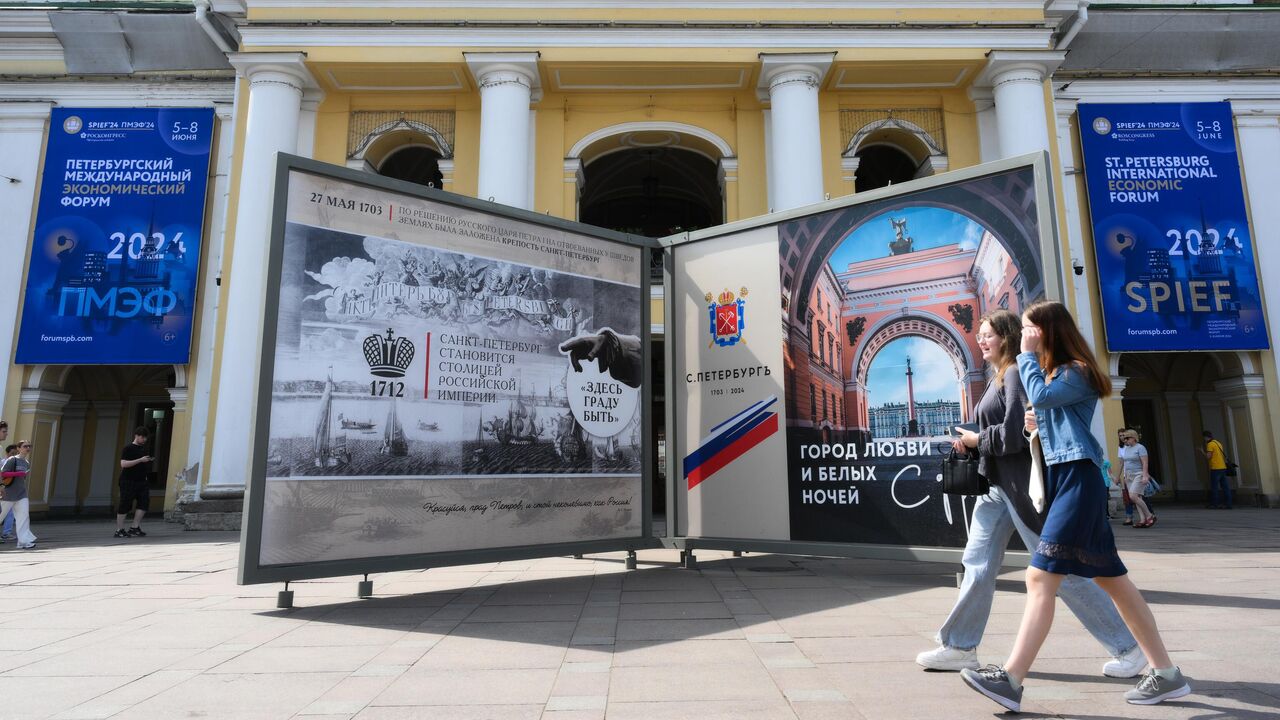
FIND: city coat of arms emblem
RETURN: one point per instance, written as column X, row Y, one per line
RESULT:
column 728, row 316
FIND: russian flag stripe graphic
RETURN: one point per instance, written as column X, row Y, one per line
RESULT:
column 730, row 440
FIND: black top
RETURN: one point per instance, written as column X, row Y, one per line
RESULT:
column 1004, row 457
column 136, row 475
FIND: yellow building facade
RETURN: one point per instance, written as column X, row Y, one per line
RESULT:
column 650, row 117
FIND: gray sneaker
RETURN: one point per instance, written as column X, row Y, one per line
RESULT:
column 993, row 682
column 1154, row 689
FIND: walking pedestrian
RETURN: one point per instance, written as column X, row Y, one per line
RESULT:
column 6, row 527
column 1064, row 382
column 1217, row 457
column 13, row 478
column 1004, row 458
column 135, row 490
column 1135, row 465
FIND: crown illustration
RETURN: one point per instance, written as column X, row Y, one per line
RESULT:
column 388, row 356
column 726, row 297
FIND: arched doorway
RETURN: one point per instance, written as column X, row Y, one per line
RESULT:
column 414, row 163
column 406, row 149
column 891, row 151
column 1172, row 398
column 654, row 192
column 912, row 378
column 882, row 165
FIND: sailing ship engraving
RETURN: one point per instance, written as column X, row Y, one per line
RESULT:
column 328, row 451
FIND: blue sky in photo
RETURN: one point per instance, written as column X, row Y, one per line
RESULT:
column 934, row 373
column 931, row 227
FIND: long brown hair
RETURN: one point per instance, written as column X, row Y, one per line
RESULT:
column 1062, row 344
column 1008, row 327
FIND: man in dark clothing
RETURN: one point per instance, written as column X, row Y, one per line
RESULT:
column 135, row 466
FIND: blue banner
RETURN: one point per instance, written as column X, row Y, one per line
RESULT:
column 1175, row 257
column 116, row 252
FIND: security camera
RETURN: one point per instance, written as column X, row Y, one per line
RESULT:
column 1077, row 266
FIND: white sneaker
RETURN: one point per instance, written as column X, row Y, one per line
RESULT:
column 948, row 659
column 1127, row 665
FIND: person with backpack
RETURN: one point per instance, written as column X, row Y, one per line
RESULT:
column 1217, row 457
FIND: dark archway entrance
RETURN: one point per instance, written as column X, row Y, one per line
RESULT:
column 415, row 164
column 882, row 165
column 651, row 192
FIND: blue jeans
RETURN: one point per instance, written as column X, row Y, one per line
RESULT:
column 994, row 522
column 1218, row 479
column 7, row 528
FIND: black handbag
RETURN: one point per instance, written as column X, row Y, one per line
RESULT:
column 1232, row 470
column 960, row 475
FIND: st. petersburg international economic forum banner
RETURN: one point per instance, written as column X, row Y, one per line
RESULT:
column 1175, row 257
column 117, row 241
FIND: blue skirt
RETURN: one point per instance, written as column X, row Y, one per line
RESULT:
column 1077, row 538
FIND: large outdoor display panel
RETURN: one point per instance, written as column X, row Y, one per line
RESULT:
column 442, row 379
column 821, row 360
column 117, row 240
column 1175, row 256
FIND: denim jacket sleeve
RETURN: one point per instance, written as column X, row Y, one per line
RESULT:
column 1067, row 388
column 1006, row 438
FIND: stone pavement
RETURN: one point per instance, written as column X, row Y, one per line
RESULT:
column 92, row 627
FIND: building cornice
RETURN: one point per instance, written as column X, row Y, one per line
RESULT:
column 1247, row 96
column 596, row 35
column 109, row 92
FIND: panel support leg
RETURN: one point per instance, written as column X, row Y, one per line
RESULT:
column 284, row 598
column 690, row 562
column 364, row 588
column 631, row 560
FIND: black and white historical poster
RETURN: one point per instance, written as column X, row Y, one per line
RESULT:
column 447, row 379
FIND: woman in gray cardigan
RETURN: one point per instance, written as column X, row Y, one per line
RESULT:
column 1005, row 460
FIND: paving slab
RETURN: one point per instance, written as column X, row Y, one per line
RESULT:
column 92, row 627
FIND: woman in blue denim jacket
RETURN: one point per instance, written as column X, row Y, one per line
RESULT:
column 1005, row 460
column 1063, row 384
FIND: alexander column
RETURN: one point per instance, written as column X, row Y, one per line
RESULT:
column 913, row 427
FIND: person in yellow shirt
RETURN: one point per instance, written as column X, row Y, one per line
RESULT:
column 1217, row 458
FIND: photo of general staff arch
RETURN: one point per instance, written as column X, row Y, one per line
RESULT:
column 882, row 301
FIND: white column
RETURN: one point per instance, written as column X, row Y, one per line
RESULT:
column 988, row 134
column 311, row 100
column 1016, row 80
column 70, row 444
column 1259, row 132
column 201, row 381
column 795, row 138
column 106, row 456
column 276, row 84
column 21, row 137
column 769, row 172
column 507, row 84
